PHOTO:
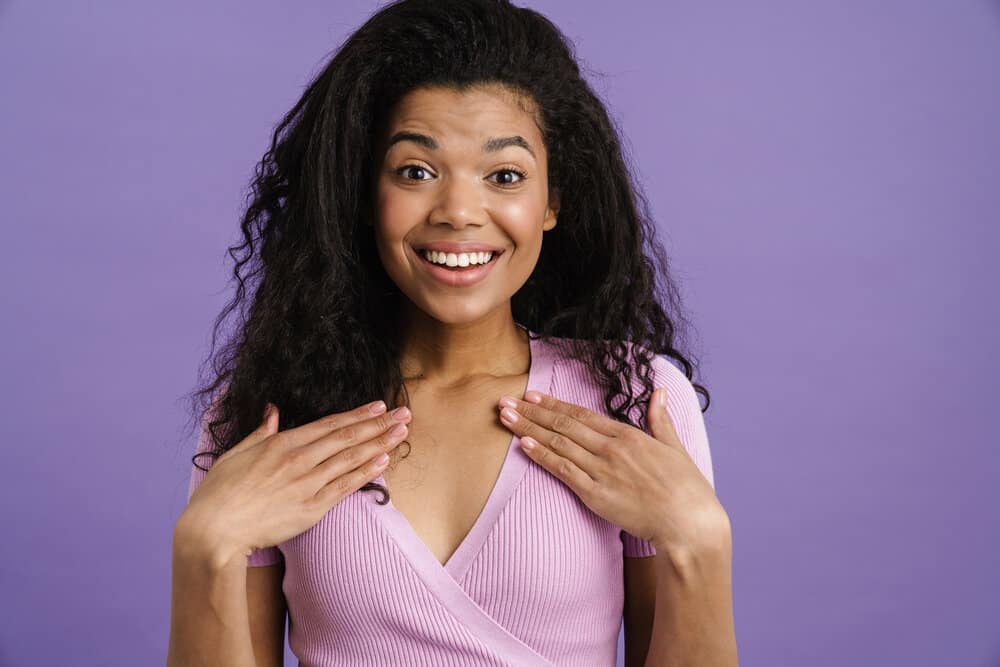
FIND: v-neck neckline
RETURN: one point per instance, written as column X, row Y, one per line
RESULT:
column 512, row 469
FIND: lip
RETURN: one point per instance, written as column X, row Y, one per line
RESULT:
column 449, row 246
column 462, row 278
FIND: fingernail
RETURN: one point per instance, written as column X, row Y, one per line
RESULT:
column 662, row 398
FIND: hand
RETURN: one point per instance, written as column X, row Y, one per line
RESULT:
column 275, row 485
column 647, row 485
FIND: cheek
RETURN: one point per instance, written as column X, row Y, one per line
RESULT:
column 391, row 226
column 522, row 221
column 390, row 216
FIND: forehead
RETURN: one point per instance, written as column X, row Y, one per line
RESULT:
column 453, row 116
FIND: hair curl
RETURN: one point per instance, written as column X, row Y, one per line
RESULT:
column 316, row 336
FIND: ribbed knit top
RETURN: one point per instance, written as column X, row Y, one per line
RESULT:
column 538, row 580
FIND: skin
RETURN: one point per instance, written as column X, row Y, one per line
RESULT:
column 459, row 192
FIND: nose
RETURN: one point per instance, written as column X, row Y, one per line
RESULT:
column 459, row 204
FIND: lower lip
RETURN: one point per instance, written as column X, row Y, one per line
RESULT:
column 462, row 277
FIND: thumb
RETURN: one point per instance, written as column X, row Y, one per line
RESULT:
column 659, row 419
column 267, row 428
column 271, row 419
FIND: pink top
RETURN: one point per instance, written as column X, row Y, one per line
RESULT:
column 537, row 581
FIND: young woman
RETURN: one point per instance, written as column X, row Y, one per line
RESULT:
column 451, row 256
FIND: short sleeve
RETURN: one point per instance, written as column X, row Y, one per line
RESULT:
column 684, row 409
column 257, row 557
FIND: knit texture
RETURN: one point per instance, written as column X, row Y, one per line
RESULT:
column 537, row 581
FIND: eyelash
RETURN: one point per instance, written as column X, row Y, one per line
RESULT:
column 520, row 173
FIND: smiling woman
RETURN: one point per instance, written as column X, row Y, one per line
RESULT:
column 458, row 204
column 444, row 229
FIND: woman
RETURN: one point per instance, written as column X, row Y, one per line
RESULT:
column 444, row 225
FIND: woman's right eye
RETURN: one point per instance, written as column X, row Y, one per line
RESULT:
column 401, row 171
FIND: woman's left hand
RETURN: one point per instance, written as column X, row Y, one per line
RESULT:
column 647, row 485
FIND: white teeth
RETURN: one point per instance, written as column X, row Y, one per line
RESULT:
column 456, row 259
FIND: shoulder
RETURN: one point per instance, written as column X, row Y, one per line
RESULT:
column 683, row 402
column 665, row 372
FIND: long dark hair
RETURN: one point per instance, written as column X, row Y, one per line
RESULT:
column 317, row 331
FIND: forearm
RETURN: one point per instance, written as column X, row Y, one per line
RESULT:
column 693, row 623
column 209, row 618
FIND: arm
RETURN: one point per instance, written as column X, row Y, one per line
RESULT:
column 693, row 623
column 680, row 599
column 268, row 610
column 209, row 617
column 221, row 609
column 640, row 603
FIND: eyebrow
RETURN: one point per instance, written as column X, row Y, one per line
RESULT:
column 492, row 144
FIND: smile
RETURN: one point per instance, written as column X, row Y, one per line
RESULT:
column 456, row 276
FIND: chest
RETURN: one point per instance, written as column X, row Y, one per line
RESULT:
column 457, row 449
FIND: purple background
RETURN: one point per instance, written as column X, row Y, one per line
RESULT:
column 828, row 174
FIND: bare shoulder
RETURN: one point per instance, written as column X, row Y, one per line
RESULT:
column 267, row 608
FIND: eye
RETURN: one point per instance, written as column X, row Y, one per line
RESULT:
column 510, row 170
column 507, row 170
column 402, row 169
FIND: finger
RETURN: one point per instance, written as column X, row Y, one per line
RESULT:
column 306, row 433
column 348, row 437
column 357, row 456
column 556, row 441
column 343, row 485
column 589, row 418
column 572, row 421
column 561, row 467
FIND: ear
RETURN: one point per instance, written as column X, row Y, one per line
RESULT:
column 552, row 212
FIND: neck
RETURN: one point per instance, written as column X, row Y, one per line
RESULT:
column 447, row 354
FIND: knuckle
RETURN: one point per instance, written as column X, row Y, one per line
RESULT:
column 563, row 468
column 632, row 437
column 601, row 449
column 562, row 422
column 557, row 443
column 341, row 486
column 330, row 421
column 348, row 433
column 579, row 413
column 353, row 457
column 293, row 458
column 277, row 441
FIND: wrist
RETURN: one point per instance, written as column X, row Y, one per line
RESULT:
column 695, row 564
column 195, row 541
column 710, row 534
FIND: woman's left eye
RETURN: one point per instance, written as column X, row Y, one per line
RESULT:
column 520, row 175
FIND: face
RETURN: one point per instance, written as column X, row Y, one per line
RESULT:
column 461, row 168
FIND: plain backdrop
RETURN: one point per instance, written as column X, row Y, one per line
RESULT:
column 827, row 177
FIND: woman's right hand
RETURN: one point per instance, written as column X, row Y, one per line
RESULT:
column 275, row 485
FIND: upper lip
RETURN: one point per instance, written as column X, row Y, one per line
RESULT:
column 449, row 246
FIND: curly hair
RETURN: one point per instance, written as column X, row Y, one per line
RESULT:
column 318, row 334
